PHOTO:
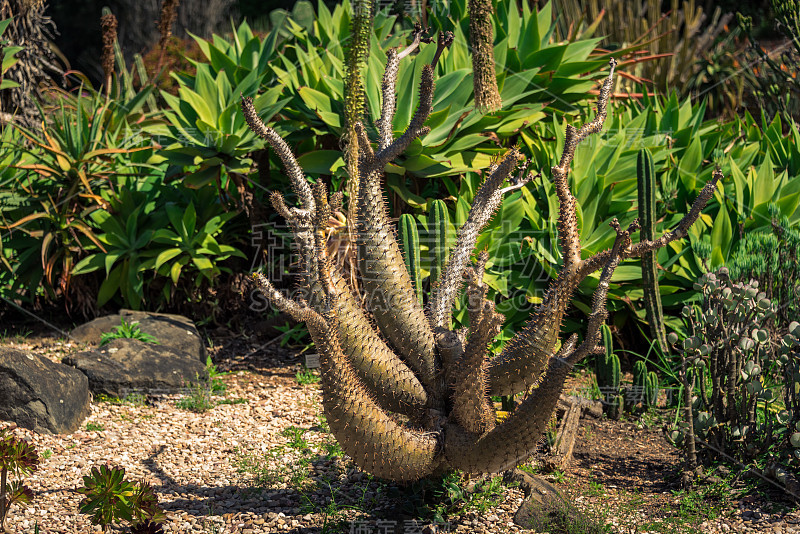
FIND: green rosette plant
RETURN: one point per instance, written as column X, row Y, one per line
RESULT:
column 109, row 498
column 17, row 459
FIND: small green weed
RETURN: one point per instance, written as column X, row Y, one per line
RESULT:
column 47, row 453
column 530, row 469
column 306, row 376
column 447, row 497
column 262, row 467
column 293, row 335
column 95, row 427
column 15, row 336
column 296, row 439
column 558, row 476
column 696, row 506
column 126, row 330
column 131, row 399
column 332, row 448
column 199, row 397
column 596, row 489
column 197, row 400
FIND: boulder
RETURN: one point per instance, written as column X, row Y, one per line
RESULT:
column 174, row 331
column 126, row 366
column 41, row 395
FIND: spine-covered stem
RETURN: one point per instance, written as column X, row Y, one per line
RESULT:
column 568, row 235
column 487, row 200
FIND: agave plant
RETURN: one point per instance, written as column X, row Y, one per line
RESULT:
column 406, row 395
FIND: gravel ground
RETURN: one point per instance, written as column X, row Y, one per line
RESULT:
column 194, row 461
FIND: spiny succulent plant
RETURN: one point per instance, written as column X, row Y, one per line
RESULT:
column 748, row 381
column 406, row 395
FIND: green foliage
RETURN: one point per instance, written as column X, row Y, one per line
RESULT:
column 771, row 258
column 550, row 74
column 748, row 382
column 155, row 228
column 84, row 144
column 200, row 393
column 7, row 59
column 205, row 132
column 306, row 376
column 109, row 498
column 521, row 239
column 204, row 138
column 774, row 82
column 126, row 330
column 295, row 436
column 95, row 427
column 17, row 459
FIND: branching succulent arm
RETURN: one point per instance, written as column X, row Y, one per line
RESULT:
column 411, row 362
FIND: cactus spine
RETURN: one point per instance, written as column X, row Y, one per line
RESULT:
column 646, row 175
column 438, row 227
column 409, row 236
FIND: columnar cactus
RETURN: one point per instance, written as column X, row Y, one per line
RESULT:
column 609, row 376
column 646, row 179
column 409, row 236
column 438, row 223
column 404, row 394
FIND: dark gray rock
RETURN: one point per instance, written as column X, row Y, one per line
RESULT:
column 174, row 331
column 126, row 366
column 41, row 395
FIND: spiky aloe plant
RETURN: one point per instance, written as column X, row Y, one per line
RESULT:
column 404, row 394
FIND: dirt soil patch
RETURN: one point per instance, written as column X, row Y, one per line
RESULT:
column 262, row 460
